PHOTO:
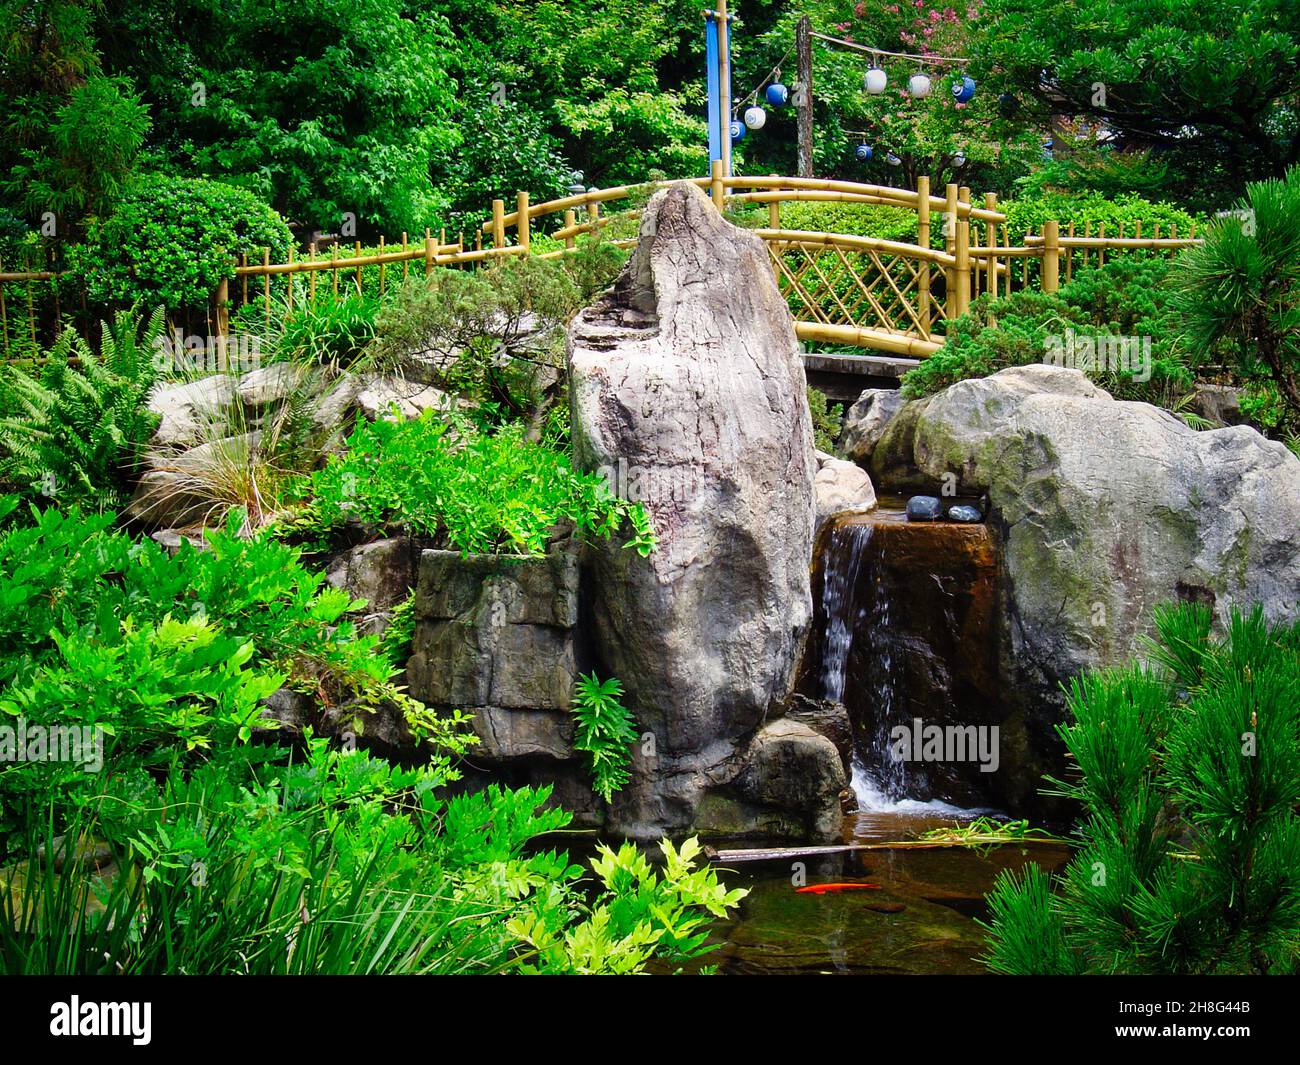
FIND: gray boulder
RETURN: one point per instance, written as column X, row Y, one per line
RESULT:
column 382, row 573
column 842, row 487
column 866, row 421
column 1101, row 510
column 688, row 371
column 187, row 410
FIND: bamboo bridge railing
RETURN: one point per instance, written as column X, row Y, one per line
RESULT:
column 843, row 289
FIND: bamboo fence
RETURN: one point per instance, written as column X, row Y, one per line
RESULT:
column 843, row 289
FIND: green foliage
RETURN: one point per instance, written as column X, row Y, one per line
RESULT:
column 76, row 432
column 1128, row 296
column 826, row 420
column 1212, row 86
column 479, row 492
column 332, row 332
column 605, row 732
column 1026, row 214
column 170, row 241
column 71, row 574
column 1241, row 288
column 1188, row 774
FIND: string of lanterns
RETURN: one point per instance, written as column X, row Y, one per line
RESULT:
column 875, row 81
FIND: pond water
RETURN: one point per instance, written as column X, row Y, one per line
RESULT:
column 921, row 921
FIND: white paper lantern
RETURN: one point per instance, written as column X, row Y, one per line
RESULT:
column 875, row 81
column 919, row 86
column 755, row 117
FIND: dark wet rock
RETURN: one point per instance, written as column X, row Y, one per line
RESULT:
column 790, row 767
column 964, row 513
column 924, row 508
column 381, row 572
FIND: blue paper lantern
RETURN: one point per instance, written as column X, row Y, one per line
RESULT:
column 863, row 153
column 777, row 94
column 737, row 132
column 963, row 89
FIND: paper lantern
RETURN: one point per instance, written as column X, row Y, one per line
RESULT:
column 737, row 131
column 875, row 81
column 863, row 153
column 892, row 159
column 755, row 117
column 777, row 94
column 963, row 89
column 919, row 86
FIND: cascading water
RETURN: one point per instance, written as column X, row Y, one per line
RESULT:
column 905, row 614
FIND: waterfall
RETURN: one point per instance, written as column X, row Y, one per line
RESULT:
column 906, row 616
column 877, row 780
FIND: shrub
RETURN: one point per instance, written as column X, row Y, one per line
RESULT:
column 480, row 492
column 826, row 420
column 1242, row 286
column 1027, row 214
column 170, row 241
column 1189, row 776
column 1128, row 297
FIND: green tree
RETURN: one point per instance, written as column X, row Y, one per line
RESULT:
column 69, row 135
column 1188, row 772
column 1213, row 87
column 331, row 110
column 970, row 143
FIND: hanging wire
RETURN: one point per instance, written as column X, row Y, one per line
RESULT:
column 752, row 97
column 876, row 53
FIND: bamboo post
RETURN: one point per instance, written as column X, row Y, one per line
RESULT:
column 991, row 235
column 1087, row 233
column 428, row 253
column 4, row 313
column 1069, row 257
column 570, row 220
column 963, row 249
column 1101, row 252
column 498, row 223
column 923, row 239
column 266, row 284
column 715, row 184
column 1051, row 255
column 523, row 223
column 952, row 306
column 223, row 299
column 724, row 85
column 774, row 211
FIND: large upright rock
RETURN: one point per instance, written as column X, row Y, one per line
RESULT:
column 1102, row 511
column 686, row 377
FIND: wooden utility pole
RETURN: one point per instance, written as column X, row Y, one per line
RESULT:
column 803, row 96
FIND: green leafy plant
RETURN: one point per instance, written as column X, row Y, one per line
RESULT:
column 826, row 420
column 479, row 492
column 1188, row 772
column 605, row 732
column 76, row 432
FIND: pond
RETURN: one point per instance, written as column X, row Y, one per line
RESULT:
column 921, row 920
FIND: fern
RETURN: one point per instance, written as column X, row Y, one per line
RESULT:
column 78, row 430
column 605, row 733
